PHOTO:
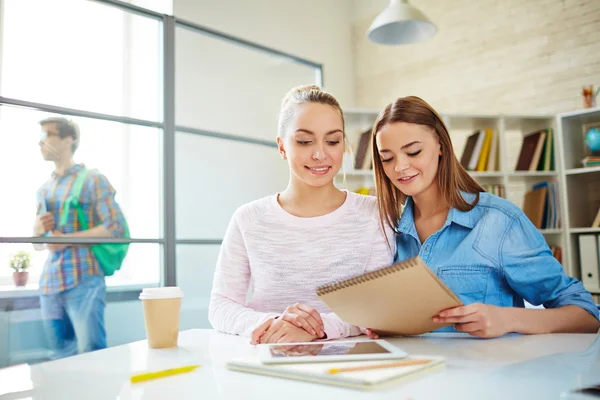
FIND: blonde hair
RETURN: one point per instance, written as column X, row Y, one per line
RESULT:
column 452, row 178
column 305, row 94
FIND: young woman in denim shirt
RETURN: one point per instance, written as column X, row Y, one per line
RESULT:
column 482, row 246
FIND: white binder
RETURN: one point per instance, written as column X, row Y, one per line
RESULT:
column 588, row 257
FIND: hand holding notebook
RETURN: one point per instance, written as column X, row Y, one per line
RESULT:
column 400, row 299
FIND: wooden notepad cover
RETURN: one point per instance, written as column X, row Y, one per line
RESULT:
column 400, row 299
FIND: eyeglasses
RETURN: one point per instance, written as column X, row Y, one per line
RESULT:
column 44, row 135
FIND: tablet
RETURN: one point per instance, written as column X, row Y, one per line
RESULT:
column 281, row 353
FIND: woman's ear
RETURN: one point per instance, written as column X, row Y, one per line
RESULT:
column 280, row 147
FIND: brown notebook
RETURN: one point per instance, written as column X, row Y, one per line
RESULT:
column 400, row 299
column 531, row 151
column 468, row 151
column 534, row 205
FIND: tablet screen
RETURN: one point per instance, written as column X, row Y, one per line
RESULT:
column 327, row 349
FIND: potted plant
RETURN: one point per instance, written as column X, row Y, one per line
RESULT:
column 20, row 262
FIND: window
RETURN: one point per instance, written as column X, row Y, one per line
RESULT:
column 114, row 71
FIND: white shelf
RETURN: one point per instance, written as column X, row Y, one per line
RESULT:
column 515, row 174
column 586, row 170
column 484, row 174
column 551, row 231
column 580, row 113
column 357, row 172
column 584, row 230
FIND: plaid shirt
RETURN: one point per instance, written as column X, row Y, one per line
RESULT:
column 68, row 267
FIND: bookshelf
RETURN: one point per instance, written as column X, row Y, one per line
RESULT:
column 581, row 188
column 578, row 187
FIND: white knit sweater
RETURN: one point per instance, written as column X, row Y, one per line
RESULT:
column 281, row 259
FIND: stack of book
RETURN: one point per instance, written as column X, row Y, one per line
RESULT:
column 591, row 161
column 541, row 205
column 537, row 152
column 481, row 151
column 496, row 189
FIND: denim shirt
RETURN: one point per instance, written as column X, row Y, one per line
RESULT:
column 492, row 254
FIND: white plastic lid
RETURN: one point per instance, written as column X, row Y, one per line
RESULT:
column 170, row 292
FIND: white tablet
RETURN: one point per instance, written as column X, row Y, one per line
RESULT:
column 329, row 351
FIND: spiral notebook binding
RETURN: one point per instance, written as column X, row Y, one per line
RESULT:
column 369, row 276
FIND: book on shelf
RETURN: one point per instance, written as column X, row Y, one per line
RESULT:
column 591, row 161
column 481, row 151
column 556, row 252
column 531, row 151
column 495, row 189
column 492, row 164
column 541, row 205
column 596, row 223
column 547, row 156
column 465, row 159
column 363, row 157
column 485, row 151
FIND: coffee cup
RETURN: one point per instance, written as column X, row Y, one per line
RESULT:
column 162, row 308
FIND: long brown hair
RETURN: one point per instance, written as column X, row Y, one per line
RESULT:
column 452, row 177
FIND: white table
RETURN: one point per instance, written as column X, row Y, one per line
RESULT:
column 512, row 367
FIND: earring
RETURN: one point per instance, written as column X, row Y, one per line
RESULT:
column 283, row 155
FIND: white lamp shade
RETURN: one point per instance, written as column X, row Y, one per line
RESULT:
column 400, row 23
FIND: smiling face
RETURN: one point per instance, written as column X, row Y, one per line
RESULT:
column 410, row 156
column 313, row 143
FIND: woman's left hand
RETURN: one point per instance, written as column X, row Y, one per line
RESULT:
column 481, row 320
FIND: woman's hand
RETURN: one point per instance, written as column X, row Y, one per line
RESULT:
column 369, row 333
column 279, row 331
column 477, row 319
column 305, row 317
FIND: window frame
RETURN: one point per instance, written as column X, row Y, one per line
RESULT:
column 168, row 127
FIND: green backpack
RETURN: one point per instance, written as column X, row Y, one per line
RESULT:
column 110, row 256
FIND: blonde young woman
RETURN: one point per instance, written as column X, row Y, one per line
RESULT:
column 482, row 246
column 284, row 246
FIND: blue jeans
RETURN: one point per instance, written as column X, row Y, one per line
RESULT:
column 74, row 319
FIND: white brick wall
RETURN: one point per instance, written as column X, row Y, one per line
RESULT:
column 489, row 56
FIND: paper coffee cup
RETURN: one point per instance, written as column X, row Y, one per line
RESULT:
column 162, row 307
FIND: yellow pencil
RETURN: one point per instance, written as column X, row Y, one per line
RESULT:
column 379, row 366
column 146, row 376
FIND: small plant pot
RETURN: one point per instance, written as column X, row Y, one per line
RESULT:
column 20, row 278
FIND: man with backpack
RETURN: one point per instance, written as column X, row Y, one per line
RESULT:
column 75, row 203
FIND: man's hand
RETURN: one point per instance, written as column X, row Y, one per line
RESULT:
column 477, row 319
column 279, row 331
column 54, row 247
column 43, row 223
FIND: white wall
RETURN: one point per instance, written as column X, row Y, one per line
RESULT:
column 489, row 56
column 313, row 29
